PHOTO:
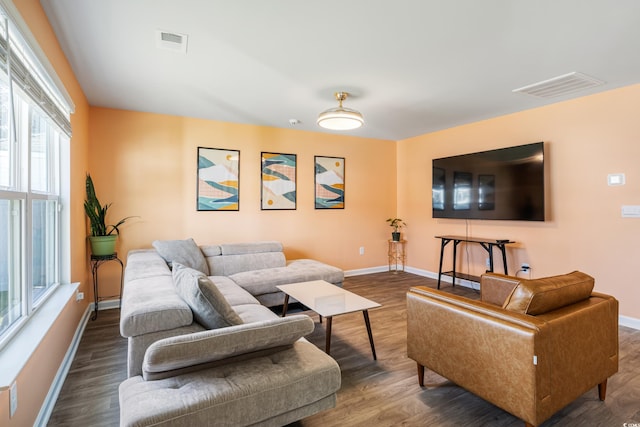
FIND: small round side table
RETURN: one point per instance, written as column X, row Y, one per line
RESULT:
column 96, row 262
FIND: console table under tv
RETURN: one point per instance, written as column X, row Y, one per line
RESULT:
column 487, row 244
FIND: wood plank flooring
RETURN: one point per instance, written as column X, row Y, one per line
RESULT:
column 373, row 393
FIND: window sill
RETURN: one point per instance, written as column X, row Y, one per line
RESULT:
column 14, row 355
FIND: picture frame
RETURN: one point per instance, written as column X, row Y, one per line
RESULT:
column 218, row 183
column 278, row 179
column 329, row 182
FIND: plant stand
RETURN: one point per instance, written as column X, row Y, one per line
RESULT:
column 96, row 262
column 397, row 255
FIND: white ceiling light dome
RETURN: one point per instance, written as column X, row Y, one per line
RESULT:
column 340, row 118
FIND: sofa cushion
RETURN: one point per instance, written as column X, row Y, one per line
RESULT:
column 237, row 257
column 260, row 282
column 185, row 252
column 250, row 313
column 152, row 304
column 166, row 356
column 250, row 248
column 233, row 293
column 209, row 306
column 540, row 296
column 316, row 270
column 145, row 263
column 251, row 392
column 228, row 265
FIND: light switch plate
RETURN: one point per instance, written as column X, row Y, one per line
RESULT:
column 631, row 211
column 615, row 179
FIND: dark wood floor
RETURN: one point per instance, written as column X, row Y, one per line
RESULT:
column 374, row 393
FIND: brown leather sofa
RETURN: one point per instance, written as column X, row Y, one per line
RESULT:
column 529, row 347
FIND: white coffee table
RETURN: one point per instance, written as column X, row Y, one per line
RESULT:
column 329, row 300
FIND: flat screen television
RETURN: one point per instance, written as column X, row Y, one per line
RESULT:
column 502, row 184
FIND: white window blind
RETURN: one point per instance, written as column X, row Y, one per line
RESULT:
column 20, row 64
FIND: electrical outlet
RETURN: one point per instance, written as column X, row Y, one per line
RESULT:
column 487, row 262
column 361, row 250
column 525, row 266
column 13, row 398
column 79, row 296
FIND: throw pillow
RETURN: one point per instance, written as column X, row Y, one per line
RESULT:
column 540, row 296
column 209, row 306
column 185, row 252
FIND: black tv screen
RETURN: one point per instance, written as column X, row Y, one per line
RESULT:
column 502, row 184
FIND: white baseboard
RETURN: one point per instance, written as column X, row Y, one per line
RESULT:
column 444, row 279
column 106, row 305
column 369, row 270
column 629, row 322
column 58, row 381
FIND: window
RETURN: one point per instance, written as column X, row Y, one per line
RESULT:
column 34, row 127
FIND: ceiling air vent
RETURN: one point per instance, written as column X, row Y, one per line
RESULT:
column 560, row 85
column 171, row 41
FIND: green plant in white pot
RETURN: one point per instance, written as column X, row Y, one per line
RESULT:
column 103, row 236
column 396, row 224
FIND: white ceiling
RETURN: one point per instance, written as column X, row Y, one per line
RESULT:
column 412, row 66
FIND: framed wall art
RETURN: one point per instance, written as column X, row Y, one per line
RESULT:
column 278, row 179
column 218, row 179
column 329, row 182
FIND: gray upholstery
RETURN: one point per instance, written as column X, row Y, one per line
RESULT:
column 209, row 306
column 260, row 282
column 185, row 252
column 261, row 372
column 167, row 312
column 250, row 248
column 234, row 294
column 171, row 354
column 137, row 345
column 151, row 304
column 267, row 390
column 259, row 267
column 250, row 313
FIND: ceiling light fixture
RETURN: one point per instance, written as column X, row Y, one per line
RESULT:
column 340, row 118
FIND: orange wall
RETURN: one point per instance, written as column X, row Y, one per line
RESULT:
column 585, row 139
column 34, row 381
column 145, row 164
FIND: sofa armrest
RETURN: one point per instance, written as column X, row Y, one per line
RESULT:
column 151, row 305
column 495, row 288
column 185, row 353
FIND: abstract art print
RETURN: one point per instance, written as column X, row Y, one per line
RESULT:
column 278, row 181
column 218, row 179
column 329, row 182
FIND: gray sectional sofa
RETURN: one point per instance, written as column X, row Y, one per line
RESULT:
column 230, row 362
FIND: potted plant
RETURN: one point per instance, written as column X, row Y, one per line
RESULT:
column 103, row 236
column 396, row 224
